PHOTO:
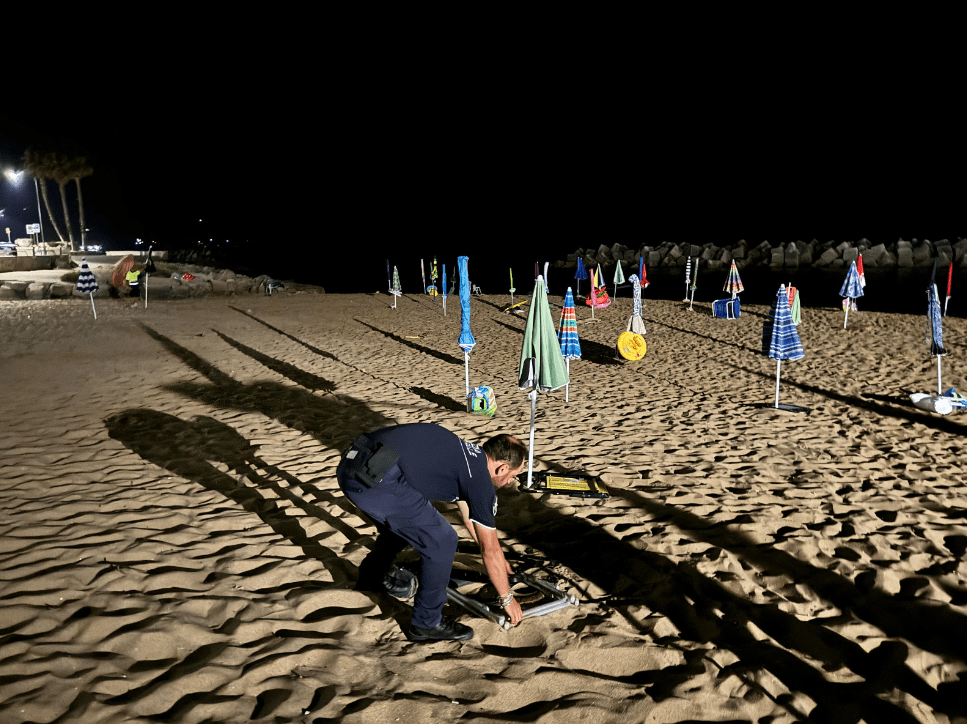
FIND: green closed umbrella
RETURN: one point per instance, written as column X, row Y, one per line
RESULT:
column 542, row 366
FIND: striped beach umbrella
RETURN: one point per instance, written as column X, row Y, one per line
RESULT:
column 396, row 290
column 688, row 275
column 780, row 339
column 567, row 335
column 851, row 290
column 733, row 284
column 87, row 284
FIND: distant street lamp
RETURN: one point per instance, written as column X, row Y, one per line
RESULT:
column 15, row 177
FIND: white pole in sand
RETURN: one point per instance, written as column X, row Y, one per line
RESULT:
column 567, row 387
column 778, row 367
column 466, row 367
column 145, row 291
column 92, row 305
column 530, row 449
column 847, row 313
column 939, row 385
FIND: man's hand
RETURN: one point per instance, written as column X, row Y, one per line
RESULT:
column 498, row 569
column 513, row 610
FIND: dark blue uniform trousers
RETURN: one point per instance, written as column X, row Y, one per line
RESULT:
column 403, row 515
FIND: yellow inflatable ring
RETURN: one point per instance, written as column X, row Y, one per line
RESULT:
column 631, row 345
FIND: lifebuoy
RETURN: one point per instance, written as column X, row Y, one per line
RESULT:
column 631, row 345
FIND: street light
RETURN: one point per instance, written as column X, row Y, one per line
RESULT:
column 15, row 177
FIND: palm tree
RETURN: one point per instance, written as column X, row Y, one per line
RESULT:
column 61, row 168
column 79, row 168
column 41, row 166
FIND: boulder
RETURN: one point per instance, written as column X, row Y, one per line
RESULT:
column 791, row 258
column 604, row 255
column 904, row 257
column 828, row 257
column 923, row 253
column 850, row 254
column 36, row 290
column 778, row 257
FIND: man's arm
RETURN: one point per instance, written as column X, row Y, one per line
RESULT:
column 465, row 514
column 497, row 569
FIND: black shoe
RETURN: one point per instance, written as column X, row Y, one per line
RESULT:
column 446, row 630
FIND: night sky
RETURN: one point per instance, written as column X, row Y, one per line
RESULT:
column 523, row 167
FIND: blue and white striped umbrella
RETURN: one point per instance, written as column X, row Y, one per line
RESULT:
column 781, row 335
column 936, row 325
column 935, row 331
column 636, row 324
column 780, row 340
column 853, row 285
column 852, row 289
column 87, row 284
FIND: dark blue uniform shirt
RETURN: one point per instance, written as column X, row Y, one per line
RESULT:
column 443, row 467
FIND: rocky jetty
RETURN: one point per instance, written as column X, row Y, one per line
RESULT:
column 789, row 255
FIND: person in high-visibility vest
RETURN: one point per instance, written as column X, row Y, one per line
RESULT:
column 132, row 278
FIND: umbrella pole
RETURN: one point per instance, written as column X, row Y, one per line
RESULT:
column 568, row 385
column 145, row 291
column 92, row 305
column 939, row 384
column 847, row 313
column 778, row 367
column 530, row 448
column 466, row 367
column 946, row 302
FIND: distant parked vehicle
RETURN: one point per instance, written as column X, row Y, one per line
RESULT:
column 8, row 248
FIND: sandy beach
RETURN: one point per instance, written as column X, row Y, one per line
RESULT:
column 174, row 546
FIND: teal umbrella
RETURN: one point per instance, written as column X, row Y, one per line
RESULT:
column 542, row 366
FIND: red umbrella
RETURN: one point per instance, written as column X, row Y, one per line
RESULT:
column 950, row 279
column 859, row 270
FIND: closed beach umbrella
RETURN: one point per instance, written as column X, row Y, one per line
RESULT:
column 619, row 277
column 950, row 280
column 688, row 275
column 780, row 338
column 512, row 290
column 694, row 284
column 733, row 284
column 935, row 331
column 852, row 289
column 444, row 290
column 466, row 341
column 542, row 367
column 567, row 335
column 636, row 324
column 87, row 284
column 580, row 274
column 859, row 270
column 795, row 305
column 598, row 299
column 642, row 274
column 396, row 290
